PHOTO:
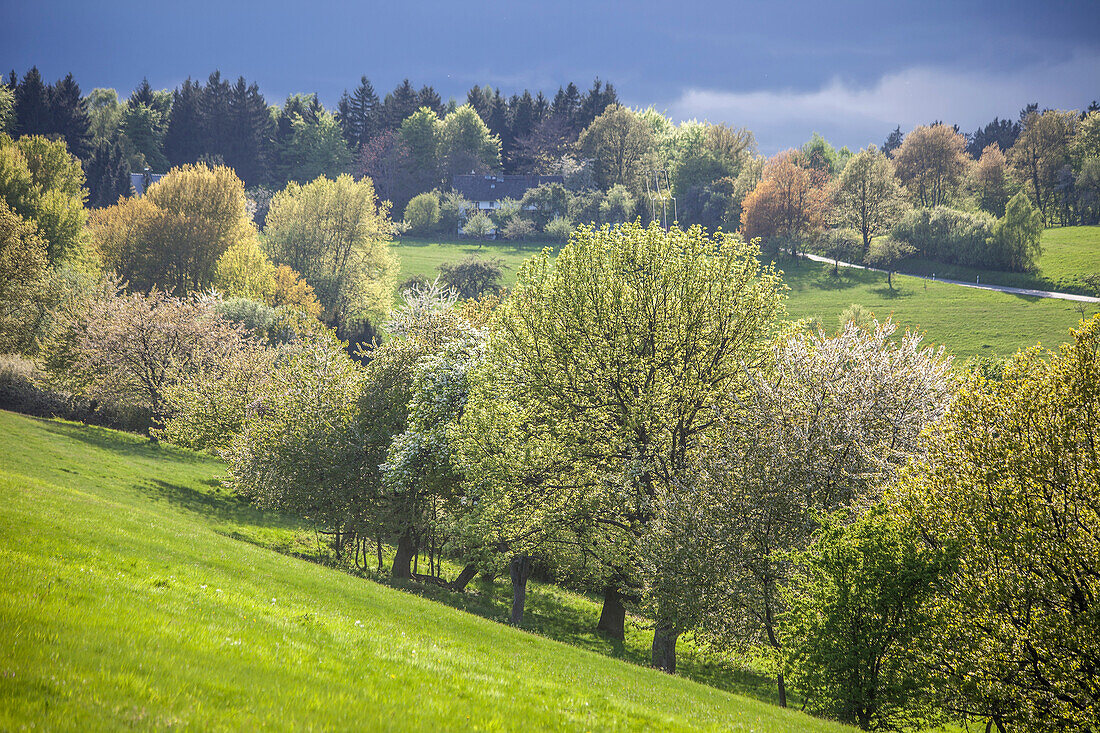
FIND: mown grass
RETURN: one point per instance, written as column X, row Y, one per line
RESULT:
column 424, row 256
column 126, row 602
column 967, row 321
column 1070, row 263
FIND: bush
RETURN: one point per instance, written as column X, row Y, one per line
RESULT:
column 856, row 314
column 584, row 206
column 471, row 277
column 478, row 226
column 1017, row 235
column 519, row 229
column 951, row 236
column 25, row 389
column 452, row 210
column 422, row 214
column 559, row 229
column 618, row 207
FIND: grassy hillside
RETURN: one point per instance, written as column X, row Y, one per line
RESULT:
column 969, row 322
column 1070, row 263
column 125, row 601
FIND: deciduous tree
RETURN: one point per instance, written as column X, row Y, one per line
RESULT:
column 867, row 195
column 1012, row 481
column 336, row 234
column 931, row 162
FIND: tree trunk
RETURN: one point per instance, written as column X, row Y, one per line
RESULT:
column 519, row 568
column 459, row 584
column 782, row 686
column 613, row 614
column 664, row 649
column 402, row 561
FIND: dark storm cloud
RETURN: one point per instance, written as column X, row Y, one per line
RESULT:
column 851, row 70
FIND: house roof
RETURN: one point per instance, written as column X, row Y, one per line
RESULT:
column 494, row 188
column 137, row 180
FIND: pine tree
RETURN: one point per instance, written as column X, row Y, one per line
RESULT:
column 367, row 109
column 143, row 94
column 481, row 100
column 217, row 122
column 358, row 114
column 251, row 126
column 565, row 105
column 893, row 142
column 32, row 105
column 399, row 104
column 595, row 101
column 70, row 116
column 498, row 122
column 429, row 97
column 183, row 139
column 108, row 174
column 523, row 120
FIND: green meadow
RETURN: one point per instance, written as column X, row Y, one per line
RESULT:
column 135, row 592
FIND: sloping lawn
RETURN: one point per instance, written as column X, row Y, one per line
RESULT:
column 124, row 602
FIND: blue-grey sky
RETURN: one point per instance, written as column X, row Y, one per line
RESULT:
column 851, row 70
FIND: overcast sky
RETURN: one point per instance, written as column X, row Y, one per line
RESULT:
column 850, row 70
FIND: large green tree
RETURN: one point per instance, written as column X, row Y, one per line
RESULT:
column 174, row 235
column 336, row 234
column 867, row 196
column 1012, row 480
column 621, row 347
column 620, row 145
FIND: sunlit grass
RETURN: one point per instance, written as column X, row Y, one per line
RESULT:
column 125, row 601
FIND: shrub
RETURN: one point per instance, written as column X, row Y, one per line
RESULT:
column 951, row 236
column 478, row 226
column 559, row 229
column 452, row 210
column 25, row 389
column 1017, row 234
column 856, row 314
column 518, row 229
column 422, row 214
column 472, row 276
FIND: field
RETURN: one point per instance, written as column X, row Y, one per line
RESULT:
column 1070, row 263
column 135, row 592
column 423, row 257
column 968, row 322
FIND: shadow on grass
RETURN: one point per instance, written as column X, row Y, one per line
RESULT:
column 551, row 615
column 218, row 503
column 888, row 293
column 127, row 444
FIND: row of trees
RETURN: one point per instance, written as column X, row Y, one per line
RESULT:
column 928, row 197
column 226, row 122
column 637, row 418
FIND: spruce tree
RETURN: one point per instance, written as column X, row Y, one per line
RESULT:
column 566, row 103
column 32, row 105
column 108, row 174
column 250, row 147
column 481, row 100
column 70, row 116
column 183, row 142
column 398, row 105
column 358, row 115
column 429, row 97
column 217, row 122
